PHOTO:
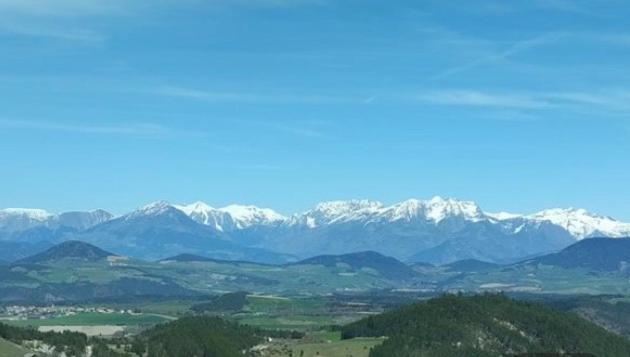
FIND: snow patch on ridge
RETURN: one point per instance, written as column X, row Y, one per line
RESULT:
column 436, row 209
column 583, row 224
column 246, row 216
column 31, row 213
column 503, row 216
column 232, row 216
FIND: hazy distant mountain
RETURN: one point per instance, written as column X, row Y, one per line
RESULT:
column 67, row 250
column 497, row 243
column 437, row 231
column 21, row 219
column 83, row 220
column 596, row 254
column 159, row 230
column 12, row 251
column 470, row 265
column 187, row 258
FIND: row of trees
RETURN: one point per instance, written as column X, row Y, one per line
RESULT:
column 72, row 343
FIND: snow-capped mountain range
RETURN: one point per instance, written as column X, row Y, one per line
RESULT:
column 578, row 222
column 435, row 230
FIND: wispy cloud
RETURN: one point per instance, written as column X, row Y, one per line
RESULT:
column 308, row 132
column 257, row 167
column 219, row 96
column 571, row 6
column 613, row 100
column 107, row 7
column 369, row 100
column 60, row 7
column 275, row 3
column 608, row 100
column 58, row 19
column 500, row 56
column 481, row 99
column 146, row 129
column 611, row 38
column 62, row 33
column 310, row 129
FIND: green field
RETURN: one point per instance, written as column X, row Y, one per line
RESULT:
column 300, row 314
column 93, row 319
column 290, row 322
column 9, row 349
column 170, row 308
column 276, row 304
column 544, row 279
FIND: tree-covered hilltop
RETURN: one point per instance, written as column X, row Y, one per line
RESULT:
column 484, row 325
column 203, row 336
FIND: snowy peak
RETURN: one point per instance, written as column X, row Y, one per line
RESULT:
column 438, row 209
column 232, row 217
column 196, row 207
column 160, row 210
column 583, row 224
column 203, row 213
column 336, row 208
column 435, row 209
column 331, row 212
column 153, row 209
column 246, row 216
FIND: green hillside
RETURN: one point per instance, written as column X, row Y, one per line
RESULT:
column 388, row 267
column 485, row 325
column 10, row 349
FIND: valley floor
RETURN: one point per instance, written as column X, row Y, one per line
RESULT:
column 317, row 320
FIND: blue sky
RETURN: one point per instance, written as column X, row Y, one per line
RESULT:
column 519, row 105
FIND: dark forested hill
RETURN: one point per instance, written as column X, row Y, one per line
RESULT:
column 200, row 336
column 68, row 249
column 488, row 325
column 597, row 254
column 205, row 336
column 388, row 267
